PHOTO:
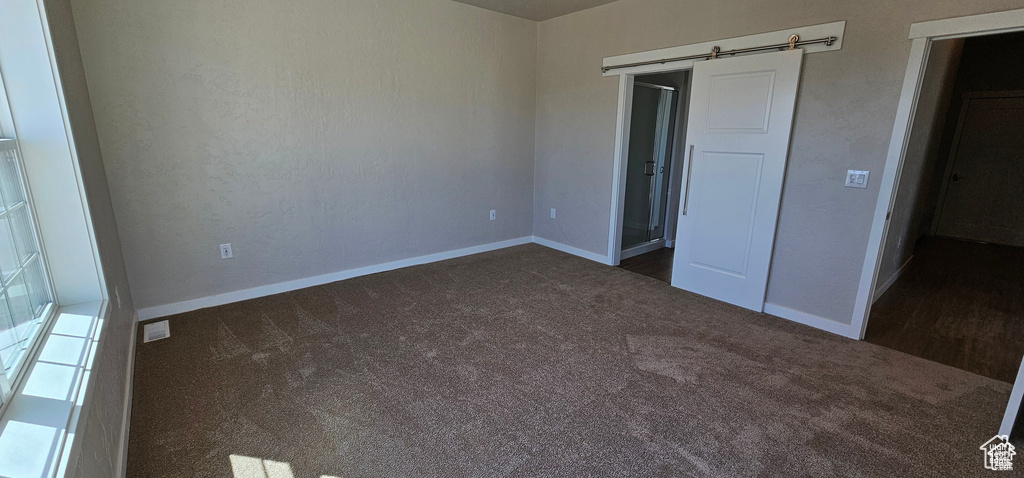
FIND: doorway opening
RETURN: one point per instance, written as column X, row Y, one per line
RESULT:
column 976, row 320
column 951, row 287
column 653, row 173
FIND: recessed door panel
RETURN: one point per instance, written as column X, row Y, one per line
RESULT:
column 740, row 103
column 727, row 203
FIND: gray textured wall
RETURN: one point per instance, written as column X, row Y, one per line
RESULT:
column 315, row 136
column 915, row 201
column 844, row 119
column 100, row 433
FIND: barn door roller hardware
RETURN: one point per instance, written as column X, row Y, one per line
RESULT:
column 716, row 52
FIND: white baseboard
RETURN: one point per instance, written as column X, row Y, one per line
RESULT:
column 127, row 413
column 881, row 289
column 262, row 291
column 828, row 325
column 230, row 297
column 558, row 246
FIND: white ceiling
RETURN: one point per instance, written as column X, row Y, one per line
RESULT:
column 537, row 10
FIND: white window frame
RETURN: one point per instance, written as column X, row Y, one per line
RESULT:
column 9, row 142
column 35, row 103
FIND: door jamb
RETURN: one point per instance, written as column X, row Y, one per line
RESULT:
column 922, row 35
column 622, row 127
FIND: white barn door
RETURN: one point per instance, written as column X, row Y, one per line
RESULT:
column 741, row 115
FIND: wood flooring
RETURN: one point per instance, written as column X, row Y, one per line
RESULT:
column 959, row 303
column 655, row 264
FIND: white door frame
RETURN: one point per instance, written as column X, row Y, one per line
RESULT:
column 625, row 104
column 922, row 36
column 1016, row 396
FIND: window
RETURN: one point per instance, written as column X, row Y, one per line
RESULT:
column 26, row 300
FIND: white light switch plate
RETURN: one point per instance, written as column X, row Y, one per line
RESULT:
column 857, row 179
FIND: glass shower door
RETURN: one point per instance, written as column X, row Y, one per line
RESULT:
column 647, row 172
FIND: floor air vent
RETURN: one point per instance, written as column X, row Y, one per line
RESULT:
column 156, row 331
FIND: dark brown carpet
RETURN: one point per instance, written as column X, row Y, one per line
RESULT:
column 531, row 362
column 959, row 303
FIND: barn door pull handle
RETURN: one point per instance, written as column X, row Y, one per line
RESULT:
column 686, row 194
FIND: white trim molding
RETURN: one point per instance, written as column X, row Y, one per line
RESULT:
column 922, row 35
column 558, row 246
column 149, row 313
column 974, row 25
column 165, row 310
column 1013, row 408
column 126, row 414
column 828, row 325
column 623, row 117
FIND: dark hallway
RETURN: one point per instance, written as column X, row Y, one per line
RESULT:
column 961, row 304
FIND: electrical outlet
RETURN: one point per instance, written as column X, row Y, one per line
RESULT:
column 225, row 251
column 494, row 214
column 857, row 179
column 552, row 213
